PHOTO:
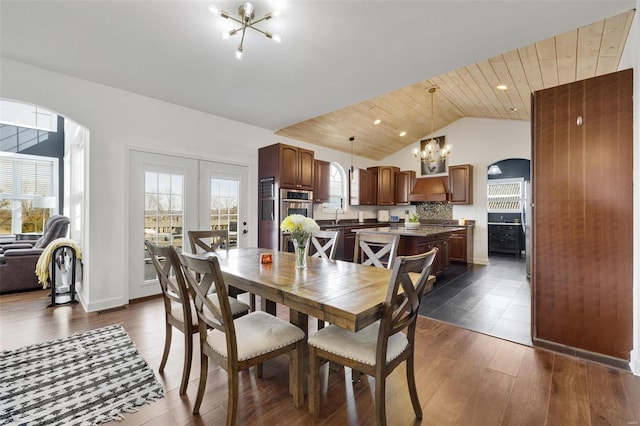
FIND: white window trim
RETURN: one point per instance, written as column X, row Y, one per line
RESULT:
column 345, row 191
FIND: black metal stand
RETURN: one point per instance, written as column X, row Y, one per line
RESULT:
column 58, row 262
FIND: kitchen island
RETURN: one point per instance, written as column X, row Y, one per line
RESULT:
column 421, row 240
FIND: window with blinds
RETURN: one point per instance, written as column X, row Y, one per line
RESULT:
column 22, row 179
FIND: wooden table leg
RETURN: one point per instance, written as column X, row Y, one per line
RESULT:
column 302, row 321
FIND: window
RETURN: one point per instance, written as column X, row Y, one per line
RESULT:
column 163, row 214
column 23, row 178
column 337, row 189
column 224, row 207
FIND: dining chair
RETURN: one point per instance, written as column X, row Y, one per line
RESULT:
column 325, row 244
column 212, row 241
column 177, row 309
column 379, row 348
column 178, row 305
column 238, row 344
column 378, row 250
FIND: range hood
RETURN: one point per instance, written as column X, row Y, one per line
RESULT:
column 430, row 189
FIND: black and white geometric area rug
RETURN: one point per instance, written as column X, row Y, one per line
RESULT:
column 84, row 379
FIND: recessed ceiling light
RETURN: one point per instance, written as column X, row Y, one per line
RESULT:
column 378, row 121
column 502, row 87
column 514, row 109
column 403, row 134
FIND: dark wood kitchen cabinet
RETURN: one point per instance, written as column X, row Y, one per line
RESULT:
column 321, row 179
column 404, row 184
column 296, row 167
column 461, row 184
column 362, row 188
column 582, row 186
column 385, row 184
column 458, row 246
column 505, row 239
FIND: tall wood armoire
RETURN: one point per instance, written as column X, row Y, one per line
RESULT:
column 582, row 216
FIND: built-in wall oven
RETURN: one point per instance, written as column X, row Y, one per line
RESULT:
column 293, row 201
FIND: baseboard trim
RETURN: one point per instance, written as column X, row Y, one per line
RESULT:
column 583, row 354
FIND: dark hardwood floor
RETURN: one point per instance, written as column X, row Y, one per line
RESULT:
column 463, row 377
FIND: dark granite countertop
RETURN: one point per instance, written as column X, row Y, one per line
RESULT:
column 422, row 231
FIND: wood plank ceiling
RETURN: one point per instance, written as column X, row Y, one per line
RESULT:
column 470, row 91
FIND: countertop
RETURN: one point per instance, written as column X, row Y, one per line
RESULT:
column 504, row 223
column 422, row 231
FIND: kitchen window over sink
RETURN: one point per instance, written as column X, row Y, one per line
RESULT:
column 337, row 189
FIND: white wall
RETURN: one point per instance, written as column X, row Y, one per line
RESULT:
column 117, row 121
column 479, row 142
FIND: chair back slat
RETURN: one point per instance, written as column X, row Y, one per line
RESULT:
column 174, row 288
column 378, row 250
column 202, row 274
column 325, row 243
column 208, row 241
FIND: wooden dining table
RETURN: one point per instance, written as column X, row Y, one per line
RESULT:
column 346, row 294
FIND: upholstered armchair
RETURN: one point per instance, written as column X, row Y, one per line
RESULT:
column 18, row 260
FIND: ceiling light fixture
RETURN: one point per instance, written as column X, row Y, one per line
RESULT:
column 378, row 121
column 247, row 13
column 502, row 87
column 403, row 133
column 494, row 169
column 351, row 139
column 432, row 146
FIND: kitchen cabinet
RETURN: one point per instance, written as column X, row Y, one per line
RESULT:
column 583, row 203
column 404, row 184
column 461, row 184
column 461, row 246
column 347, row 240
column 321, row 179
column 296, row 167
column 362, row 188
column 385, row 184
column 415, row 245
column 505, row 238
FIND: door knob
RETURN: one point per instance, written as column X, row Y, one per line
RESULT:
column 244, row 231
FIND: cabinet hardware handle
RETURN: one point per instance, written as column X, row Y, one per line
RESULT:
column 579, row 121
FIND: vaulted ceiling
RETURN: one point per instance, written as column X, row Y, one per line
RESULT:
column 341, row 64
column 470, row 91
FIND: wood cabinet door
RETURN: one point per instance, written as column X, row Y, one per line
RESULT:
column 386, row 188
column 458, row 247
column 404, row 185
column 322, row 176
column 305, row 169
column 461, row 184
column 288, row 166
column 582, row 185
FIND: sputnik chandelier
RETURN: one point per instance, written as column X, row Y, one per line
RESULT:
column 246, row 20
column 432, row 146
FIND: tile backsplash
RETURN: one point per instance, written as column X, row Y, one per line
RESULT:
column 441, row 210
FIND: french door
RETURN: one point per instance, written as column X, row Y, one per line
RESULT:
column 171, row 195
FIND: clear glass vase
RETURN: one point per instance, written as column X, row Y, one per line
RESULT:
column 300, row 249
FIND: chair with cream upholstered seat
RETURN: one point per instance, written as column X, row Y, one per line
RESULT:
column 379, row 348
column 178, row 306
column 378, row 250
column 241, row 343
column 325, row 244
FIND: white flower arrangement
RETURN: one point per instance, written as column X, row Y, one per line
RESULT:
column 300, row 227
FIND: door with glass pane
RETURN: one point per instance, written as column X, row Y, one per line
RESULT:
column 223, row 195
column 163, row 207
